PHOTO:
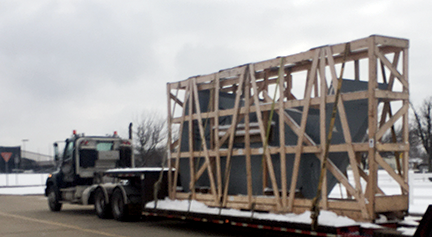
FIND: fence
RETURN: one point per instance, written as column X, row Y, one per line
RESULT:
column 14, row 180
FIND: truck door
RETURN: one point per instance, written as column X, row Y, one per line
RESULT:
column 68, row 164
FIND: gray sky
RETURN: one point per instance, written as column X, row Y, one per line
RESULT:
column 95, row 66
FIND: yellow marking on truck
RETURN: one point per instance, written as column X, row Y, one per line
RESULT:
column 59, row 224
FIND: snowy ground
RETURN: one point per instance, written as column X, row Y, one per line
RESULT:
column 420, row 195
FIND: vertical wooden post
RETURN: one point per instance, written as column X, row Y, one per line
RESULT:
column 405, row 121
column 247, row 140
column 323, row 96
column 371, row 187
column 203, row 141
column 265, row 122
column 177, row 162
column 216, row 139
column 299, row 147
column 232, row 131
column 266, row 151
column 282, row 153
column 191, row 142
column 169, row 119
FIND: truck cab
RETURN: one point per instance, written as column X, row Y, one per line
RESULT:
column 81, row 165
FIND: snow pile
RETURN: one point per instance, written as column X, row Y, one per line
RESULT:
column 325, row 218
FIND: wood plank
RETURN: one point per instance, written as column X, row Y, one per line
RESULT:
column 322, row 108
column 176, row 100
column 191, row 143
column 392, row 203
column 405, row 121
column 247, row 144
column 203, row 142
column 384, row 128
column 232, row 136
column 359, row 147
column 347, row 137
column 216, row 138
column 391, row 68
column 263, row 138
column 391, row 95
column 282, row 153
column 177, row 162
column 371, row 187
column 391, row 172
column 296, row 165
column 393, row 41
column 169, row 141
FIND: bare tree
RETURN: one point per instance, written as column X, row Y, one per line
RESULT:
column 150, row 140
column 422, row 127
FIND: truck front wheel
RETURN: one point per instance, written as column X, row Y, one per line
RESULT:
column 102, row 208
column 53, row 199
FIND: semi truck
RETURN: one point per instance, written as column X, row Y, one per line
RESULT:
column 246, row 156
column 81, row 165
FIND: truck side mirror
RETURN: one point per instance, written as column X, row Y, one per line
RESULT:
column 56, row 152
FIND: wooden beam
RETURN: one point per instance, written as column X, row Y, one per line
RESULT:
column 297, row 157
column 391, row 172
column 169, row 138
column 176, row 171
column 392, row 121
column 232, row 136
column 282, row 153
column 263, row 138
column 216, row 139
column 191, row 142
column 203, row 142
column 322, row 108
column 391, row 68
column 371, row 187
column 348, row 139
column 247, row 143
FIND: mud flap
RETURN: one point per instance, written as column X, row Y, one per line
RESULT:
column 425, row 227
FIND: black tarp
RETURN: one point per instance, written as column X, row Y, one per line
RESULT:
column 309, row 171
column 10, row 158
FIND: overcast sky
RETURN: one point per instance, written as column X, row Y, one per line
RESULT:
column 95, row 66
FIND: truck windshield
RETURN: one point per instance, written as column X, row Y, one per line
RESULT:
column 104, row 146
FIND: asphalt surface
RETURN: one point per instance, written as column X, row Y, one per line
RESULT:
column 22, row 216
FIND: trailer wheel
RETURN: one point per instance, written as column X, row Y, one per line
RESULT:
column 102, row 208
column 53, row 199
column 120, row 210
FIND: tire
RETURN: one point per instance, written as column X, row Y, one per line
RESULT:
column 53, row 199
column 102, row 208
column 120, row 210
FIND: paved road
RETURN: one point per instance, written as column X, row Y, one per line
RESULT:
column 28, row 216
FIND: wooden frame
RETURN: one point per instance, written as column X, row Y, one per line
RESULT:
column 253, row 84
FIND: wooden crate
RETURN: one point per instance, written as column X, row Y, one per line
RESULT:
column 267, row 90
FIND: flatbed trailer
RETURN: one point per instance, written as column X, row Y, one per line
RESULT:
column 154, row 197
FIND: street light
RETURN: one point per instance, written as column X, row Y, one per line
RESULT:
column 23, row 141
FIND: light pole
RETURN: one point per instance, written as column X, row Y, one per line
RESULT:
column 23, row 141
column 17, row 160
